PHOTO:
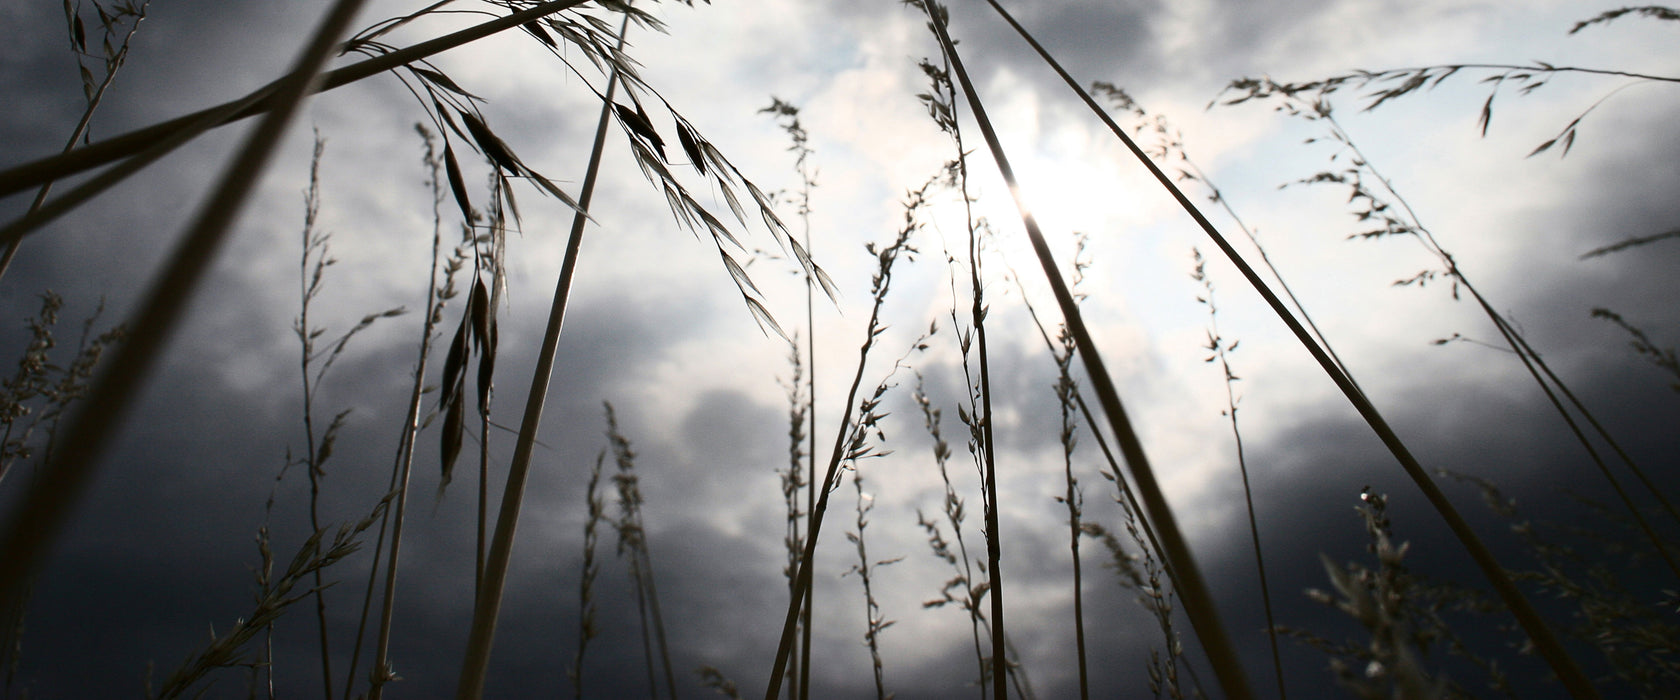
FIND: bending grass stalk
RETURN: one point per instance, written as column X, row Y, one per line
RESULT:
column 1538, row 631
column 489, row 600
column 1614, row 445
column 1530, row 359
column 1198, row 602
column 47, row 212
column 262, row 100
column 46, row 508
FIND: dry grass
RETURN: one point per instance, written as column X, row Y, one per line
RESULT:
column 1405, row 621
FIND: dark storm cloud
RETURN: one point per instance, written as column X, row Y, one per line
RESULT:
column 1094, row 41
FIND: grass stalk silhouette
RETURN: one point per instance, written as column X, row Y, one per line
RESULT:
column 851, row 439
column 488, row 603
column 788, row 116
column 1544, row 639
column 1199, row 603
column 1221, row 351
column 178, row 130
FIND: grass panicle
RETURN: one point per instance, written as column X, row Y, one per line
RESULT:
column 633, row 544
column 865, row 569
column 588, row 629
column 1662, row 358
column 851, row 441
column 1220, row 350
column 973, row 590
column 322, row 549
column 121, row 19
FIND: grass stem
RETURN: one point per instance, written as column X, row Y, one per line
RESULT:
column 1545, row 641
column 488, row 603
column 1198, row 602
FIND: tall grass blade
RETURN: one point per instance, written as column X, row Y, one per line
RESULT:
column 403, row 465
column 1545, row 641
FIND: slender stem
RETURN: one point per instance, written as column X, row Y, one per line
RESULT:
column 309, row 286
column 1064, row 395
column 1545, row 641
column 883, row 280
column 401, row 467
column 1221, row 350
column 31, row 530
column 488, row 603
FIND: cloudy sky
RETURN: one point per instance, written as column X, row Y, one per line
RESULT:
column 161, row 552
